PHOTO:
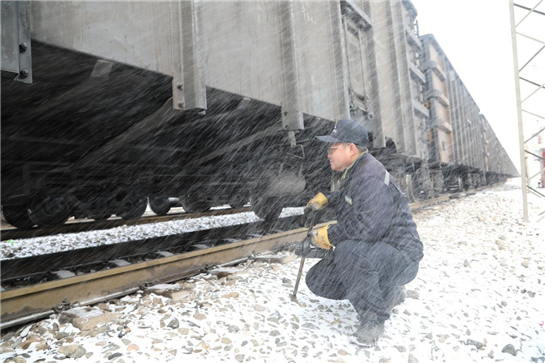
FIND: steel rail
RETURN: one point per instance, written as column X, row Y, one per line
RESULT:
column 8, row 233
column 29, row 303
column 24, row 268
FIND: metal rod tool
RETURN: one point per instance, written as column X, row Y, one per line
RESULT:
column 305, row 248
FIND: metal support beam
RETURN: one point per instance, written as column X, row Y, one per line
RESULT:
column 526, row 8
column 354, row 12
column 535, row 155
column 292, row 116
column 16, row 48
column 532, row 83
column 531, row 59
column 528, row 14
column 523, row 144
column 534, row 135
column 188, row 83
column 342, row 109
column 393, row 44
column 379, row 140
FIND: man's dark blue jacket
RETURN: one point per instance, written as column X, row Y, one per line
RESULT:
column 370, row 207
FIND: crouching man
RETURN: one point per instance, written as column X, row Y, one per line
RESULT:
column 376, row 247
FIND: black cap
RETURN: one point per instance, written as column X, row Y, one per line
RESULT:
column 348, row 131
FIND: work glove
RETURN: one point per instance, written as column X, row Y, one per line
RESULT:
column 303, row 249
column 318, row 202
column 320, row 238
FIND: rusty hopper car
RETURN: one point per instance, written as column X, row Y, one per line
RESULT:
column 464, row 151
column 107, row 104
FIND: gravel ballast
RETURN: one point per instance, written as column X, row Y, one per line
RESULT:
column 479, row 297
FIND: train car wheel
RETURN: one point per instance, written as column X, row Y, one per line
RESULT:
column 160, row 205
column 193, row 203
column 267, row 208
column 49, row 210
column 134, row 207
column 17, row 216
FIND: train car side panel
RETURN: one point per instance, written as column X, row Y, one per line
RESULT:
column 243, row 49
column 135, row 33
column 315, row 60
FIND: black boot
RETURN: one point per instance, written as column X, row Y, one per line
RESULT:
column 366, row 316
column 369, row 332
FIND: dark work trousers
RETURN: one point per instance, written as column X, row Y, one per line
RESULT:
column 364, row 273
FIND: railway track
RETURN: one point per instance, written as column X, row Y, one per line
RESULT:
column 78, row 225
column 35, row 287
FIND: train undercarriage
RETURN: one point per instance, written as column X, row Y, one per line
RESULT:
column 90, row 140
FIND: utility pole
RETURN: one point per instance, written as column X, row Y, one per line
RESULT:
column 528, row 14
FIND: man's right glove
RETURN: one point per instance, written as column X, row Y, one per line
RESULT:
column 320, row 238
column 304, row 249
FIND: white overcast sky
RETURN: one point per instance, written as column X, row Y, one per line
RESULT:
column 476, row 37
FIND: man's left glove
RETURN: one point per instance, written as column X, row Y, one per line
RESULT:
column 321, row 239
column 311, row 211
column 318, row 202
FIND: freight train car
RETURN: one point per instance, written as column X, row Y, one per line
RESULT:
column 499, row 165
column 463, row 148
column 128, row 100
column 397, row 99
column 107, row 104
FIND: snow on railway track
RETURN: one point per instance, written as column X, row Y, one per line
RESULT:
column 63, row 242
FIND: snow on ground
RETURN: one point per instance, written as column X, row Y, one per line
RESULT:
column 71, row 241
column 479, row 297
